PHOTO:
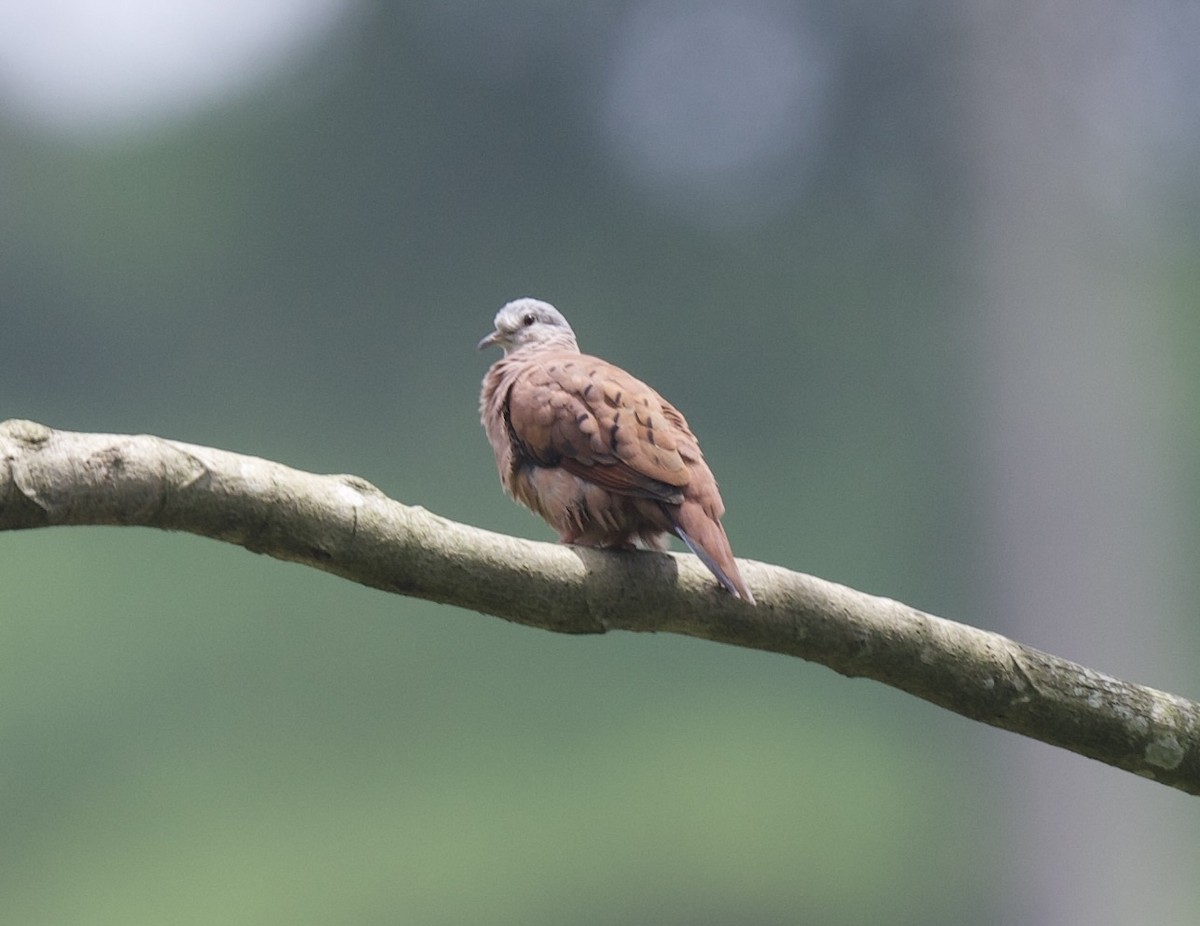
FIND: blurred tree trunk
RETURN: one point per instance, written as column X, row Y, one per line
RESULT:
column 1082, row 510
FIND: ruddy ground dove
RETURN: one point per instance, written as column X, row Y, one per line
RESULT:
column 601, row 456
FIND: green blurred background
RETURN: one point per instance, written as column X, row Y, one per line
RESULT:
column 921, row 275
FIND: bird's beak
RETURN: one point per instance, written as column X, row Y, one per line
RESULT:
column 491, row 340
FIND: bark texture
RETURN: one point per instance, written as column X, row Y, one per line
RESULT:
column 345, row 526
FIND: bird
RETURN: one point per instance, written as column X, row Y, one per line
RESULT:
column 598, row 454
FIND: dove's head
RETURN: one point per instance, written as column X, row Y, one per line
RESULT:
column 530, row 322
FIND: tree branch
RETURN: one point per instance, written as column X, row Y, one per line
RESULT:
column 346, row 526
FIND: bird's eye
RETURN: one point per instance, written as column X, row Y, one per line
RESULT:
column 528, row 320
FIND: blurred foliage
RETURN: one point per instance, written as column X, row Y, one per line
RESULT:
column 194, row 733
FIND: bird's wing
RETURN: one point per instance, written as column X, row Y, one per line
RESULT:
column 601, row 424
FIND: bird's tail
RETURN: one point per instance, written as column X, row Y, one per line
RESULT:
column 706, row 538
